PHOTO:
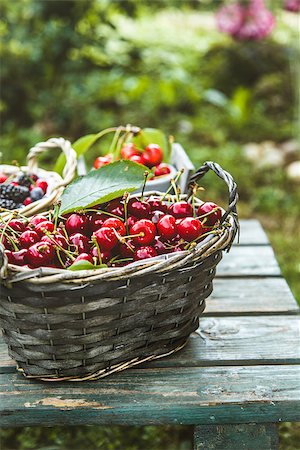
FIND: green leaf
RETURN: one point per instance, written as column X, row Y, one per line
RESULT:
column 80, row 146
column 85, row 265
column 102, row 185
column 153, row 136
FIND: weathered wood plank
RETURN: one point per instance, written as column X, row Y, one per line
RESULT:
column 249, row 261
column 251, row 296
column 252, row 233
column 236, row 437
column 202, row 395
column 246, row 340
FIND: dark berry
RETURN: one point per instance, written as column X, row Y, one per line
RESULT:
column 36, row 194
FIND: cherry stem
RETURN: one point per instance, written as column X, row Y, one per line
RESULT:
column 100, row 211
column 113, row 145
column 210, row 212
column 56, row 244
column 56, row 209
column 146, row 174
column 178, row 175
column 11, row 240
column 126, row 197
column 59, row 258
column 94, row 240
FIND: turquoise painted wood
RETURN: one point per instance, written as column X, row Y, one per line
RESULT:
column 238, row 374
column 236, row 437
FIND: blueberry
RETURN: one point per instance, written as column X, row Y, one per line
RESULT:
column 36, row 194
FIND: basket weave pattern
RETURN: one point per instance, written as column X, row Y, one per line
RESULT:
column 62, row 325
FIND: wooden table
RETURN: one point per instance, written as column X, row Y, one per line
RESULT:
column 237, row 377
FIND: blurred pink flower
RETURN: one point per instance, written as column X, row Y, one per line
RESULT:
column 230, row 18
column 244, row 22
column 292, row 5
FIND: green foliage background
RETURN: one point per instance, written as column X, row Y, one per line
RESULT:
column 74, row 67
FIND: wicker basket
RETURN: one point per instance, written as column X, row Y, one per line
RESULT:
column 55, row 182
column 84, row 325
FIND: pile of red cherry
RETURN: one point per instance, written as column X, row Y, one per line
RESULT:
column 151, row 157
column 115, row 234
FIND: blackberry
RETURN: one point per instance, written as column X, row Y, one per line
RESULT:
column 15, row 193
column 24, row 179
column 8, row 204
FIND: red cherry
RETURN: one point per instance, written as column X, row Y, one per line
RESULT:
column 44, row 227
column 106, row 238
column 35, row 220
column 126, row 250
column 17, row 225
column 2, row 178
column 9, row 254
column 42, row 184
column 129, row 150
column 18, row 258
column 181, row 209
column 6, row 242
column 162, row 169
column 84, row 257
column 77, row 223
column 81, row 242
column 103, row 160
column 117, row 224
column 131, row 221
column 137, row 159
column 28, row 237
column 146, row 229
column 96, row 221
column 152, row 155
column 56, row 238
column 158, row 205
column 116, row 207
column 105, row 256
column 40, row 254
column 138, row 208
column 167, row 227
column 160, row 247
column 190, row 228
column 144, row 253
column 27, row 201
column 207, row 207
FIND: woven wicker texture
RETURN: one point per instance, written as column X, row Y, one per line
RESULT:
column 56, row 182
column 62, row 325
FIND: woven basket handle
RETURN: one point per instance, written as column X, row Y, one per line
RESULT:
column 53, row 143
column 232, row 187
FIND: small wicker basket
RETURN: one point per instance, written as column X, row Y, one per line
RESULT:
column 84, row 325
column 56, row 183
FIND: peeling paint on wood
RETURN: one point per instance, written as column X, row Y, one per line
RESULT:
column 66, row 403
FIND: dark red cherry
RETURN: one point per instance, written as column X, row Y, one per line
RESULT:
column 127, row 250
column 181, row 209
column 128, row 150
column 77, row 223
column 189, row 228
column 131, row 221
column 156, row 216
column 116, row 207
column 40, row 254
column 106, row 238
column 145, row 231
column 152, row 155
column 117, row 224
column 96, row 221
column 162, row 169
column 144, row 253
column 214, row 210
column 138, row 208
column 81, row 242
column 35, row 220
column 158, row 205
column 28, row 238
column 17, row 225
column 166, row 226
column 43, row 227
column 56, row 238
column 19, row 258
column 160, row 247
column 105, row 256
